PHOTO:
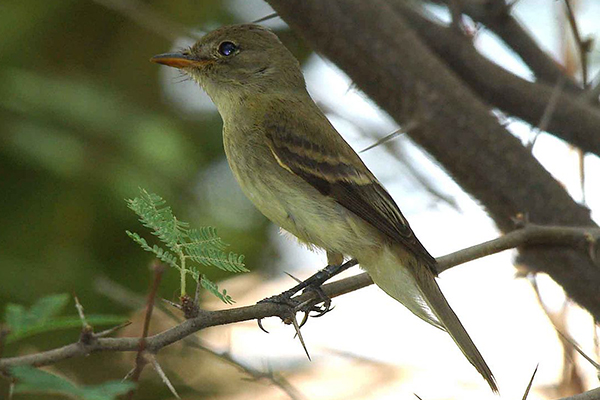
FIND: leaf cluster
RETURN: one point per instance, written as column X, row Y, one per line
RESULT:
column 33, row 380
column 44, row 316
column 183, row 244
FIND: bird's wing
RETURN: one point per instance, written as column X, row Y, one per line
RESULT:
column 335, row 170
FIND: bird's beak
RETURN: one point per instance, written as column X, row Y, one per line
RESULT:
column 177, row 60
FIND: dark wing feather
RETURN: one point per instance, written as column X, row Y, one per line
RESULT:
column 347, row 180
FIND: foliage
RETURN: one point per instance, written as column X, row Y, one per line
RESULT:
column 33, row 380
column 43, row 316
column 201, row 246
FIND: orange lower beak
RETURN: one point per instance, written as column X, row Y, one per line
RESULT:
column 176, row 60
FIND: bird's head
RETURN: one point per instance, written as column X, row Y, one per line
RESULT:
column 238, row 59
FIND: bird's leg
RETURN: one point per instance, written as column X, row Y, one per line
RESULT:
column 313, row 283
column 335, row 266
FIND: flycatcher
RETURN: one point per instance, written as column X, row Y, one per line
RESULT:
column 301, row 174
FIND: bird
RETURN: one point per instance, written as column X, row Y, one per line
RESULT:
column 301, row 174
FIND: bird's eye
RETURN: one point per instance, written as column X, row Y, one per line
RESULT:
column 227, row 48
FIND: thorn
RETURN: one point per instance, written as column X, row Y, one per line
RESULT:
column 197, row 293
column 400, row 131
column 383, row 140
column 79, row 308
column 265, row 18
column 172, row 304
column 163, row 376
column 530, row 382
column 297, row 328
column 417, row 396
column 577, row 348
column 109, row 331
column 128, row 375
column 292, row 276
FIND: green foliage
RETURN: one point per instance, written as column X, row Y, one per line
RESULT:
column 183, row 243
column 33, row 380
column 43, row 316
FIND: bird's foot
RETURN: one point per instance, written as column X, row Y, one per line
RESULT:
column 319, row 303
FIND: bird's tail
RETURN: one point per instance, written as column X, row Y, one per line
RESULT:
column 417, row 289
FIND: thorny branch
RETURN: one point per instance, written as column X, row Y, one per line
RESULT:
column 584, row 239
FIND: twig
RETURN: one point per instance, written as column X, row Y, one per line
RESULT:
column 266, row 18
column 277, row 380
column 496, row 16
column 124, row 296
column 81, row 313
column 112, row 330
column 570, row 374
column 548, row 111
column 407, row 128
column 141, row 359
column 582, row 46
column 529, row 235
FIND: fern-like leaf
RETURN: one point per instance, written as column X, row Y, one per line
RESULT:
column 201, row 245
column 214, row 289
column 227, row 262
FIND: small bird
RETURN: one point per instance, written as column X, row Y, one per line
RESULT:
column 302, row 175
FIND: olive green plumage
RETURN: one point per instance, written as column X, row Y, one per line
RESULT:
column 300, row 173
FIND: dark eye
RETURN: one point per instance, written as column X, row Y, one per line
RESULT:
column 227, row 48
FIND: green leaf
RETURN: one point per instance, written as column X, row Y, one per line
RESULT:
column 202, row 246
column 159, row 218
column 228, row 262
column 33, row 380
column 42, row 317
column 59, row 323
column 18, row 318
column 214, row 289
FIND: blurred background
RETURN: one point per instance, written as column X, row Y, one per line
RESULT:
column 86, row 120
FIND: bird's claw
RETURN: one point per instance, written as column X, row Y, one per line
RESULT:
column 259, row 322
column 312, row 305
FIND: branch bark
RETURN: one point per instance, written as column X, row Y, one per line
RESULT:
column 577, row 238
column 573, row 119
column 496, row 16
column 375, row 46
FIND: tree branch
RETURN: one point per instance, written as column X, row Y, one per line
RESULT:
column 388, row 61
column 496, row 16
column 593, row 394
column 573, row 118
column 578, row 238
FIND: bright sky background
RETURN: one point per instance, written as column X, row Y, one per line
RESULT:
column 369, row 333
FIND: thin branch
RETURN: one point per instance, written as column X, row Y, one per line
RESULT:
column 141, row 359
column 496, row 16
column 582, row 46
column 529, row 235
column 276, row 379
column 505, row 90
column 125, row 297
column 265, row 18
